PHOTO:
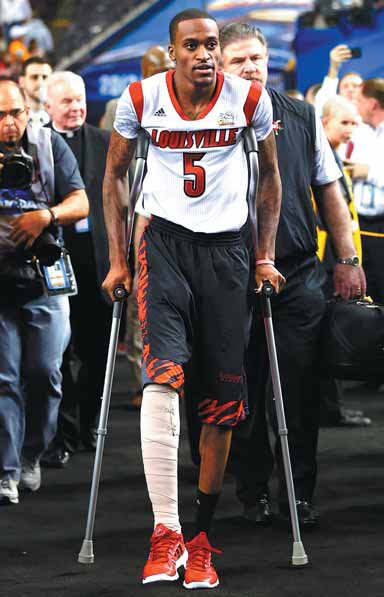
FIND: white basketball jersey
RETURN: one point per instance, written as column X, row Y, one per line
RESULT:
column 197, row 170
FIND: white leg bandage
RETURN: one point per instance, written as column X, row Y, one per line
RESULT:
column 160, row 430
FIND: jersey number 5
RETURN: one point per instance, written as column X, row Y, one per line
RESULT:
column 195, row 187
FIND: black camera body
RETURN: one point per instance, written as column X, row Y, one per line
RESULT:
column 18, row 167
column 18, row 173
column 46, row 249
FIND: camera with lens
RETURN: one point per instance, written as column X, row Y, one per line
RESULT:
column 17, row 173
column 46, row 249
column 18, row 167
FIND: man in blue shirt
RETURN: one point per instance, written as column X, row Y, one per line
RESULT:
column 34, row 328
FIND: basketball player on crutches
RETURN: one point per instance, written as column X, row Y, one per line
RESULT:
column 194, row 268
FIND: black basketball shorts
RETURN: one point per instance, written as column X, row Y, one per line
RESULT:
column 193, row 299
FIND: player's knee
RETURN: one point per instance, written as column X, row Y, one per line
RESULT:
column 160, row 412
column 214, row 435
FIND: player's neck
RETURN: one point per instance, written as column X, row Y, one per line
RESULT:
column 193, row 100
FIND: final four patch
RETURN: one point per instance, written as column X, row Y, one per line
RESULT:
column 226, row 119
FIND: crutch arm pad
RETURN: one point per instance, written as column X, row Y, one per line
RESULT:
column 142, row 144
column 250, row 141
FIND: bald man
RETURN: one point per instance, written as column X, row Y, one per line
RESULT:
column 155, row 60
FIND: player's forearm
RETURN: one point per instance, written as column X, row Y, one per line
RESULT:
column 113, row 194
column 268, row 198
column 119, row 157
column 336, row 216
column 268, row 211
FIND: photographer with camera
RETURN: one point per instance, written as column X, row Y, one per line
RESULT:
column 40, row 189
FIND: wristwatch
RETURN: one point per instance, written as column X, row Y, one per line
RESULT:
column 354, row 260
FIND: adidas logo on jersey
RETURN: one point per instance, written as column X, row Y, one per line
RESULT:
column 160, row 112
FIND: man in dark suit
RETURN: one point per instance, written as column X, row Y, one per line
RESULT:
column 86, row 241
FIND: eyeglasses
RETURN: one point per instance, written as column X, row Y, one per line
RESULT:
column 16, row 113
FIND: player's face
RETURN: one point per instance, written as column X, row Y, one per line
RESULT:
column 66, row 105
column 35, row 80
column 246, row 58
column 13, row 114
column 340, row 126
column 349, row 87
column 196, row 51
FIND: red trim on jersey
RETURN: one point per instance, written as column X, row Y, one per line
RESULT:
column 175, row 102
column 136, row 93
column 252, row 101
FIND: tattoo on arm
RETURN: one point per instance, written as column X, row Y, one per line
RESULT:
column 268, row 198
column 119, row 157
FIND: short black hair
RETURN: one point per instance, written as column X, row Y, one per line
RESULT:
column 33, row 60
column 187, row 15
column 232, row 32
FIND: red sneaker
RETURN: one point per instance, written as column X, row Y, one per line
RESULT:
column 199, row 572
column 167, row 554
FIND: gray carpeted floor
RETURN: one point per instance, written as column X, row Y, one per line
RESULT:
column 40, row 538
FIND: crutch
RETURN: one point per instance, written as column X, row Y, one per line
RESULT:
column 299, row 557
column 86, row 555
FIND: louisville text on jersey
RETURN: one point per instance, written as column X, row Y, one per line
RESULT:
column 194, row 139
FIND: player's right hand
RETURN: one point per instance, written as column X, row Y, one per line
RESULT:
column 269, row 272
column 118, row 275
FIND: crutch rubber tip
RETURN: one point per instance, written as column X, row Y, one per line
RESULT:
column 86, row 553
column 299, row 557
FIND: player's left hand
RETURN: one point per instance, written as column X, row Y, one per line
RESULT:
column 269, row 272
column 349, row 281
column 26, row 228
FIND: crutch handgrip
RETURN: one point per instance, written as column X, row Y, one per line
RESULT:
column 268, row 290
column 120, row 293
